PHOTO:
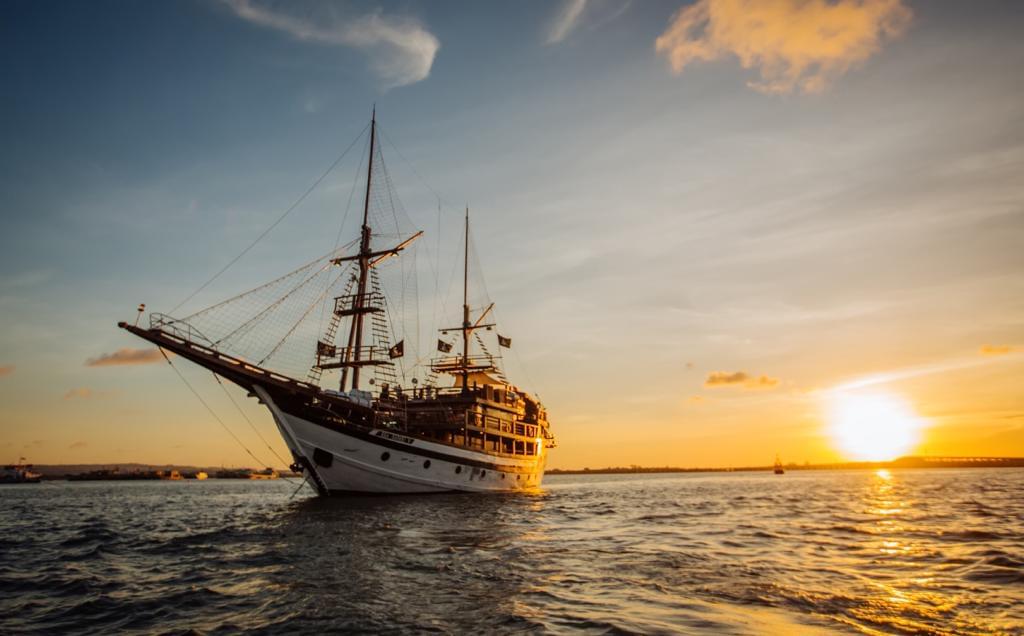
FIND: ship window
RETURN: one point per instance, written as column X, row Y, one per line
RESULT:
column 483, row 473
column 322, row 457
column 385, row 456
column 458, row 469
column 426, row 464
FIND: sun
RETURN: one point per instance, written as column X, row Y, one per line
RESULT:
column 873, row 426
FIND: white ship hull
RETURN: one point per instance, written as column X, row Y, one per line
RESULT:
column 386, row 462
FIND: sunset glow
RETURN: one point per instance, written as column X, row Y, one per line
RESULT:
column 873, row 426
column 715, row 230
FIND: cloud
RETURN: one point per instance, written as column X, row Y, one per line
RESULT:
column 995, row 350
column 802, row 44
column 125, row 356
column 6, row 369
column 82, row 393
column 565, row 20
column 78, row 444
column 400, row 49
column 719, row 379
column 697, row 399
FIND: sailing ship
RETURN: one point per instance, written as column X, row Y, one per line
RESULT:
column 778, row 466
column 451, row 422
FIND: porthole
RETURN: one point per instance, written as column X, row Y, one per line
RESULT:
column 426, row 464
column 385, row 456
column 458, row 469
column 322, row 457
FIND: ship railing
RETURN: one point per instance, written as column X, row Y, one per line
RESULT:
column 180, row 329
column 454, row 364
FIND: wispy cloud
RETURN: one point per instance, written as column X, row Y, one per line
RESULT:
column 80, row 393
column 125, row 356
column 719, row 379
column 77, row 445
column 954, row 364
column 995, row 350
column 401, row 50
column 565, row 20
column 6, row 369
column 793, row 44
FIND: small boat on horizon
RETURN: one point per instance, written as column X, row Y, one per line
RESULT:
column 267, row 473
column 19, row 473
column 778, row 466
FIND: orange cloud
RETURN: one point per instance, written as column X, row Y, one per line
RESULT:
column 697, row 399
column 719, row 379
column 82, row 393
column 802, row 44
column 78, row 444
column 6, row 369
column 125, row 356
column 995, row 350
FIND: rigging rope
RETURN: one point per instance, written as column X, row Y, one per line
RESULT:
column 210, row 410
column 319, row 299
column 251, row 425
column 275, row 223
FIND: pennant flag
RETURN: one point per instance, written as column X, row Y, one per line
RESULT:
column 398, row 350
column 443, row 346
column 504, row 342
column 326, row 350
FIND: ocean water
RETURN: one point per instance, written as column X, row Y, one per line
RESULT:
column 916, row 551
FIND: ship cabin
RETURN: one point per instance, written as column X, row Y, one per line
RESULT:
column 487, row 415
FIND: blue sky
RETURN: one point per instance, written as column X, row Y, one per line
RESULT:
column 642, row 226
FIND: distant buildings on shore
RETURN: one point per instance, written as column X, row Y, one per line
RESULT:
column 141, row 472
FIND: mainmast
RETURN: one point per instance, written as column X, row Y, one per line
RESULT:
column 353, row 353
column 355, row 356
column 465, row 310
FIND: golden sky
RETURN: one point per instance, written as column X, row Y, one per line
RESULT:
column 717, row 231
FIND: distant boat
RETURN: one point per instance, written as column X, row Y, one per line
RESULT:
column 20, row 473
column 171, row 476
column 232, row 473
column 201, row 476
column 268, row 473
column 778, row 466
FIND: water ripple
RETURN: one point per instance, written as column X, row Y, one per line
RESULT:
column 915, row 552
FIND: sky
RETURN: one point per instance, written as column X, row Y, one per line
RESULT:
column 716, row 231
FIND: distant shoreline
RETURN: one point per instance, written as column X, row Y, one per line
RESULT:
column 65, row 471
column 145, row 472
column 903, row 462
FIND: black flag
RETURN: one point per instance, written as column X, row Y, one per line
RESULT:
column 398, row 350
column 504, row 342
column 443, row 346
